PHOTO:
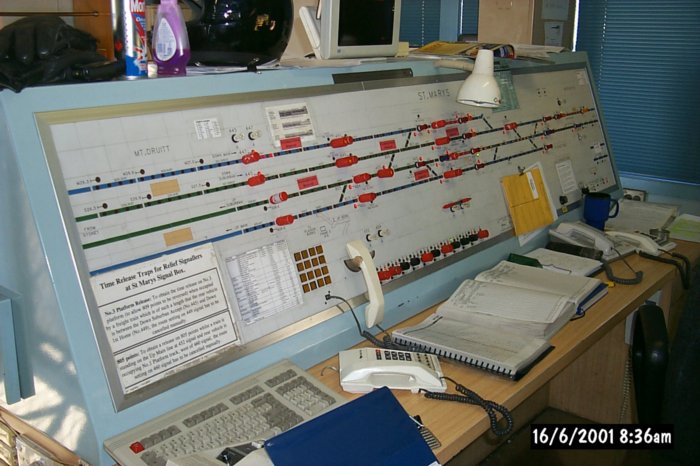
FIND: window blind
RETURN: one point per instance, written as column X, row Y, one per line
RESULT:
column 420, row 21
column 643, row 55
column 470, row 17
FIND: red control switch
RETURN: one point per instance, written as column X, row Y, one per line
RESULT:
column 426, row 257
column 346, row 161
column 385, row 172
column 361, row 178
column 453, row 173
column 284, row 220
column 341, row 142
column 367, row 197
column 256, row 180
column 251, row 157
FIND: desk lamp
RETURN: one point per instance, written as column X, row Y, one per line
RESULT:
column 480, row 88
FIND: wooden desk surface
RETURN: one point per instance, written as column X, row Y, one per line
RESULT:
column 457, row 425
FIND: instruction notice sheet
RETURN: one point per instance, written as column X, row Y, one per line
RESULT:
column 163, row 315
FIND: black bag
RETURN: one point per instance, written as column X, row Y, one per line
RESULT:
column 44, row 49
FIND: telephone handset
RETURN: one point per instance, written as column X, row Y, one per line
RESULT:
column 639, row 241
column 364, row 369
column 580, row 234
column 361, row 257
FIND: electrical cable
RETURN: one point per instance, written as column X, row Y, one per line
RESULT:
column 683, row 269
column 638, row 275
column 385, row 342
column 471, row 397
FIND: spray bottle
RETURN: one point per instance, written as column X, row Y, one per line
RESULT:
column 171, row 46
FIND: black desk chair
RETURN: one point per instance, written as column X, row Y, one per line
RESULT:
column 667, row 379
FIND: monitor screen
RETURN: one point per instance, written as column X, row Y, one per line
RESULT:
column 365, row 22
column 359, row 28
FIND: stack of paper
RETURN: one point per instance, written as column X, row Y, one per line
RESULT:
column 686, row 227
column 561, row 262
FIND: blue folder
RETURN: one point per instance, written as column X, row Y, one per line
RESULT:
column 372, row 430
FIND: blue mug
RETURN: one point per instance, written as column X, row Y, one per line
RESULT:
column 598, row 208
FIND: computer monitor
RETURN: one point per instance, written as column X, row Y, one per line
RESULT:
column 353, row 28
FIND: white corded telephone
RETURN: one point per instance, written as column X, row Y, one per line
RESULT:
column 580, row 234
column 639, row 241
column 364, row 369
column 613, row 244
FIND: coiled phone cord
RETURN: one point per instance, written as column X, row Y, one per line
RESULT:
column 472, row 398
column 683, row 269
column 385, row 342
column 638, row 274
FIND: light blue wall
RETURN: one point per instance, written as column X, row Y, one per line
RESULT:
column 686, row 196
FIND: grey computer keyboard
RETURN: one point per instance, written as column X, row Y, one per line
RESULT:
column 249, row 410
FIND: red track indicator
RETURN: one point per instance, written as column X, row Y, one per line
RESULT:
column 256, row 180
column 251, row 157
column 452, row 173
column 367, row 197
column 442, row 141
column 510, row 126
column 385, row 172
column 438, row 124
column 284, row 220
column 341, row 142
column 361, row 178
column 346, row 161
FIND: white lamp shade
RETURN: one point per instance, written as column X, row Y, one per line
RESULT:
column 480, row 88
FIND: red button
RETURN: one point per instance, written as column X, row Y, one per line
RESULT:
column 446, row 248
column 426, row 257
column 483, row 234
column 384, row 275
column 136, row 447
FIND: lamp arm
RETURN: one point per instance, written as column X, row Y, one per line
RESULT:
column 456, row 64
